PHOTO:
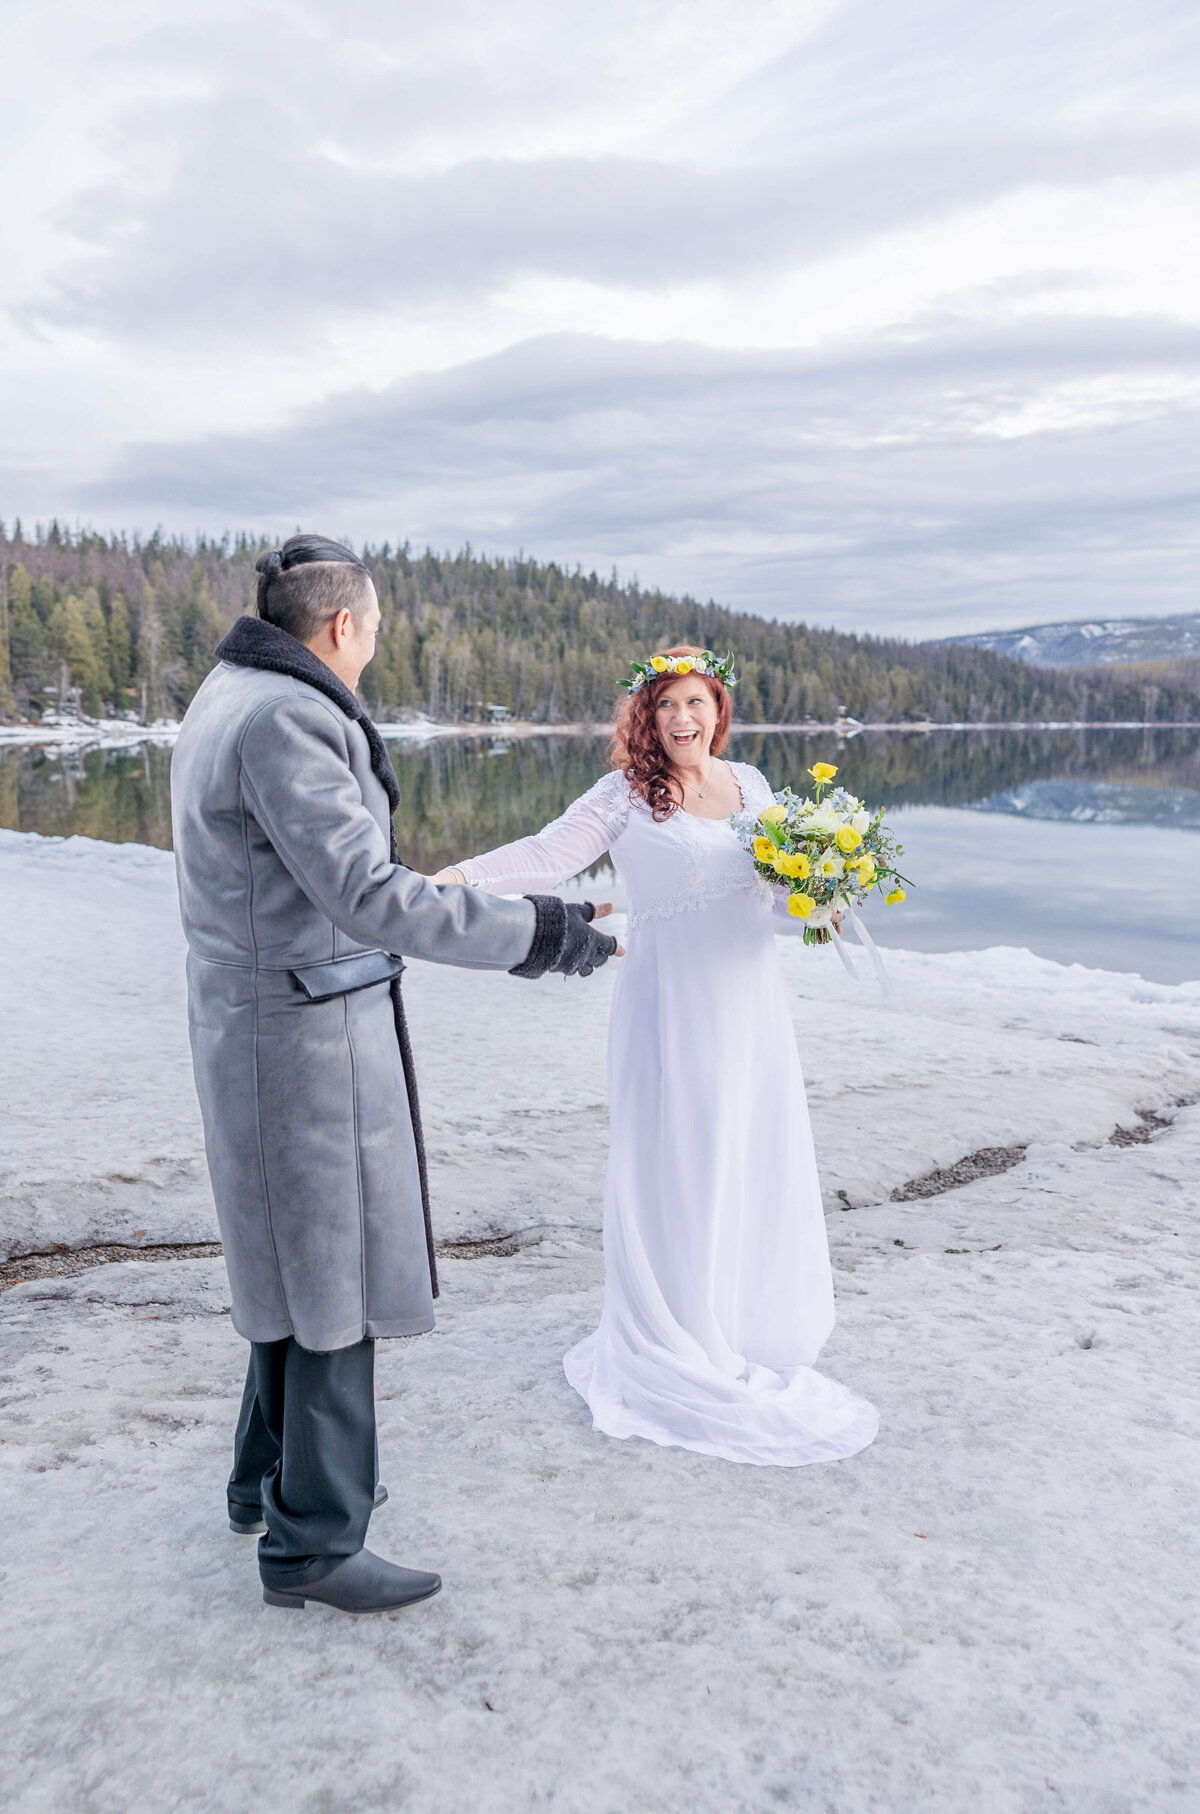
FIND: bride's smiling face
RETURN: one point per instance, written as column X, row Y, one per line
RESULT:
column 686, row 717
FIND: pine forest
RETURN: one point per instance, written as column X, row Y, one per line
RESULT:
column 116, row 626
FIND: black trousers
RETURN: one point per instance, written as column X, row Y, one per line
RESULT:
column 305, row 1452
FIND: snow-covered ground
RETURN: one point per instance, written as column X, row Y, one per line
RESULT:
column 120, row 733
column 89, row 733
column 994, row 1607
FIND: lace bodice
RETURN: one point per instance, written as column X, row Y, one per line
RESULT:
column 671, row 867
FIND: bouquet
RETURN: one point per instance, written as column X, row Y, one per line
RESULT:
column 830, row 852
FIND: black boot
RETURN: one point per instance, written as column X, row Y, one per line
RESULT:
column 362, row 1583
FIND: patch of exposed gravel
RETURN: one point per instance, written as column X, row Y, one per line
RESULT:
column 986, row 1163
column 1149, row 1125
column 490, row 1247
column 64, row 1262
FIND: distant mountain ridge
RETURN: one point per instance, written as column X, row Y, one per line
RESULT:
column 1096, row 643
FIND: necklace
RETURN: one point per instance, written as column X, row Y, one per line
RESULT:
column 700, row 791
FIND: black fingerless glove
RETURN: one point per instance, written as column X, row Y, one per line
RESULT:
column 563, row 939
column 584, row 949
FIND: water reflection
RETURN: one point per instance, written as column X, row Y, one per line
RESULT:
column 458, row 796
column 965, row 768
column 122, row 796
column 1099, row 803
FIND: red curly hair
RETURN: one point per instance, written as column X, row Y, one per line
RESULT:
column 637, row 749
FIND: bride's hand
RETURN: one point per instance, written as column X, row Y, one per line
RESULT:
column 601, row 911
column 837, row 921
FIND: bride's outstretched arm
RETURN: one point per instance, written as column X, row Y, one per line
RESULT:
column 553, row 855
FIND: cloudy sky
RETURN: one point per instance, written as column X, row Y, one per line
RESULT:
column 880, row 313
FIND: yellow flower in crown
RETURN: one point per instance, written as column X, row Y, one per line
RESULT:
column 800, row 905
column 764, row 850
column 846, row 838
column 658, row 665
column 774, row 815
column 895, row 897
column 795, row 865
column 822, row 771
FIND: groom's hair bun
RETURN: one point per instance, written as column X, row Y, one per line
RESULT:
column 308, row 581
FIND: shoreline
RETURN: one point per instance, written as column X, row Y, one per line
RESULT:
column 108, row 733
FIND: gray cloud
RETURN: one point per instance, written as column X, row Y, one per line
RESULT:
column 214, row 252
column 866, row 487
column 300, row 190
column 914, row 68
column 271, row 198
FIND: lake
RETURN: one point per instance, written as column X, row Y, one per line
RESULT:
column 1081, row 845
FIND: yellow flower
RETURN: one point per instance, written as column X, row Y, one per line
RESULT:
column 659, row 663
column 865, row 870
column 774, row 815
column 800, row 905
column 846, row 838
column 822, row 771
column 764, row 850
column 895, row 897
column 795, row 865
column 683, row 667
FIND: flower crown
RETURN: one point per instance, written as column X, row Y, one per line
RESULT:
column 658, row 665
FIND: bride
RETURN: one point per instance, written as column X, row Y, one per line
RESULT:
column 718, row 1293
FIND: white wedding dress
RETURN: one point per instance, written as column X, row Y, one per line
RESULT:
column 718, row 1292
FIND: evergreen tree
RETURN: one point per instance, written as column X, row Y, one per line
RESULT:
column 26, row 638
column 129, row 626
column 7, row 702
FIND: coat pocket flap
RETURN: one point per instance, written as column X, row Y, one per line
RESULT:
column 343, row 975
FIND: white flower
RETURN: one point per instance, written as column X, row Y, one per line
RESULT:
column 822, row 821
column 820, row 916
column 830, row 865
column 860, row 822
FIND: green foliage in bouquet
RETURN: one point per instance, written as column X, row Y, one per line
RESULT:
column 830, row 852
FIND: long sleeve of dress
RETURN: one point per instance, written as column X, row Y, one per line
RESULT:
column 561, row 849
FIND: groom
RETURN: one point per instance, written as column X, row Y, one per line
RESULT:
column 296, row 910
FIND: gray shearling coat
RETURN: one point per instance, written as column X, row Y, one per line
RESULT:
column 282, row 849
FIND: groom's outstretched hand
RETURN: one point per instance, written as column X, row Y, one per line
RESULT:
column 565, row 940
column 585, row 949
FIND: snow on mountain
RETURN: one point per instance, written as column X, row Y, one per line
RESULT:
column 1100, row 643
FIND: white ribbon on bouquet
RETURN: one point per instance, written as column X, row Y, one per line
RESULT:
column 872, row 950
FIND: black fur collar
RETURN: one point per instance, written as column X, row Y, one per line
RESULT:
column 255, row 643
